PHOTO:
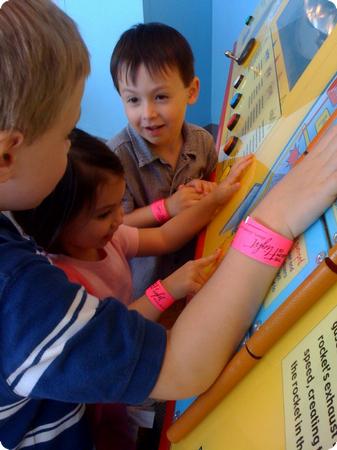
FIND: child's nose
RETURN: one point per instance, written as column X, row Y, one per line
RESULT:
column 119, row 216
column 149, row 110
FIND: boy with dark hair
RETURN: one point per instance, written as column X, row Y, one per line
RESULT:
column 165, row 158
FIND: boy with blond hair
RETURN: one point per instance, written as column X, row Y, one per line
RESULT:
column 60, row 346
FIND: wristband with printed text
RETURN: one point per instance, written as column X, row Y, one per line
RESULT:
column 259, row 242
column 159, row 296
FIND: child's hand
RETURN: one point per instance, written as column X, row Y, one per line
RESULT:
column 305, row 192
column 231, row 184
column 202, row 186
column 183, row 198
column 189, row 278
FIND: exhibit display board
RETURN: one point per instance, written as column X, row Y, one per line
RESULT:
column 281, row 97
column 288, row 401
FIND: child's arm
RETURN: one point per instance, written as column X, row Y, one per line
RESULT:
column 185, row 281
column 140, row 217
column 182, row 228
column 209, row 329
column 202, row 186
column 186, row 196
column 183, row 198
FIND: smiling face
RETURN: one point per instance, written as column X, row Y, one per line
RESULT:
column 93, row 228
column 155, row 105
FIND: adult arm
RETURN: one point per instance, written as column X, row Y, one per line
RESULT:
column 209, row 329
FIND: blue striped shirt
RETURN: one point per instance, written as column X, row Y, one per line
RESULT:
column 60, row 348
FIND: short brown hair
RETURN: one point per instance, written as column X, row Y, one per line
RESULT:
column 42, row 59
column 157, row 46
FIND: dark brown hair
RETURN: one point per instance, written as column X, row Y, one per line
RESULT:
column 157, row 46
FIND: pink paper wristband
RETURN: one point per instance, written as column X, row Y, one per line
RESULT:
column 159, row 211
column 261, row 243
column 159, row 296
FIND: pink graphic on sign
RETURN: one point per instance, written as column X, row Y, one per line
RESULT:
column 332, row 92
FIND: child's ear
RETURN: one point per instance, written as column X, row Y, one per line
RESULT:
column 9, row 142
column 193, row 91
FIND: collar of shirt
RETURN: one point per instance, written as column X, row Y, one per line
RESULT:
column 146, row 156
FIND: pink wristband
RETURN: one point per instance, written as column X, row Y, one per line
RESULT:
column 159, row 211
column 261, row 243
column 159, row 296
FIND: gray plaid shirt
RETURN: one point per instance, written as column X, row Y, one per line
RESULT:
column 149, row 178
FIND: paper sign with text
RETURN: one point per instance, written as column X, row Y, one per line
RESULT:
column 309, row 374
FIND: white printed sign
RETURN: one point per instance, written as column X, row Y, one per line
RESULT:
column 310, row 389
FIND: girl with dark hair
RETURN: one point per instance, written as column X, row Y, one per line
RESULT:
column 80, row 226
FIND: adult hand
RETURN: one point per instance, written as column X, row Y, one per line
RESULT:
column 305, row 192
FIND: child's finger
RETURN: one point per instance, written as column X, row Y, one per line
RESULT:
column 206, row 260
column 194, row 288
column 227, row 190
column 202, row 277
column 241, row 164
column 243, row 160
column 209, row 187
column 184, row 187
column 239, row 167
column 210, row 269
column 193, row 195
column 232, row 188
column 191, row 199
column 198, row 186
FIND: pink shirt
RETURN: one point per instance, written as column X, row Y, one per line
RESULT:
column 111, row 276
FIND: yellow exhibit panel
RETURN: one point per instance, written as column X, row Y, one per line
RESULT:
column 288, row 401
column 280, row 389
column 271, row 95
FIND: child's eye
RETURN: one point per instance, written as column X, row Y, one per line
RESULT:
column 162, row 97
column 132, row 100
column 103, row 215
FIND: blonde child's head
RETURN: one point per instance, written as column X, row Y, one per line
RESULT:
column 42, row 58
column 44, row 63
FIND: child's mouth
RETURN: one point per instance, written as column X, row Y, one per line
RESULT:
column 154, row 129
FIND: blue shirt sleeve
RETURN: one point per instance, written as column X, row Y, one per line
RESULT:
column 63, row 344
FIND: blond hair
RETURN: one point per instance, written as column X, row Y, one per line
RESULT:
column 42, row 58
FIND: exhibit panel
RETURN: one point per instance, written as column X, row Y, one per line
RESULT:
column 281, row 97
column 288, row 400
